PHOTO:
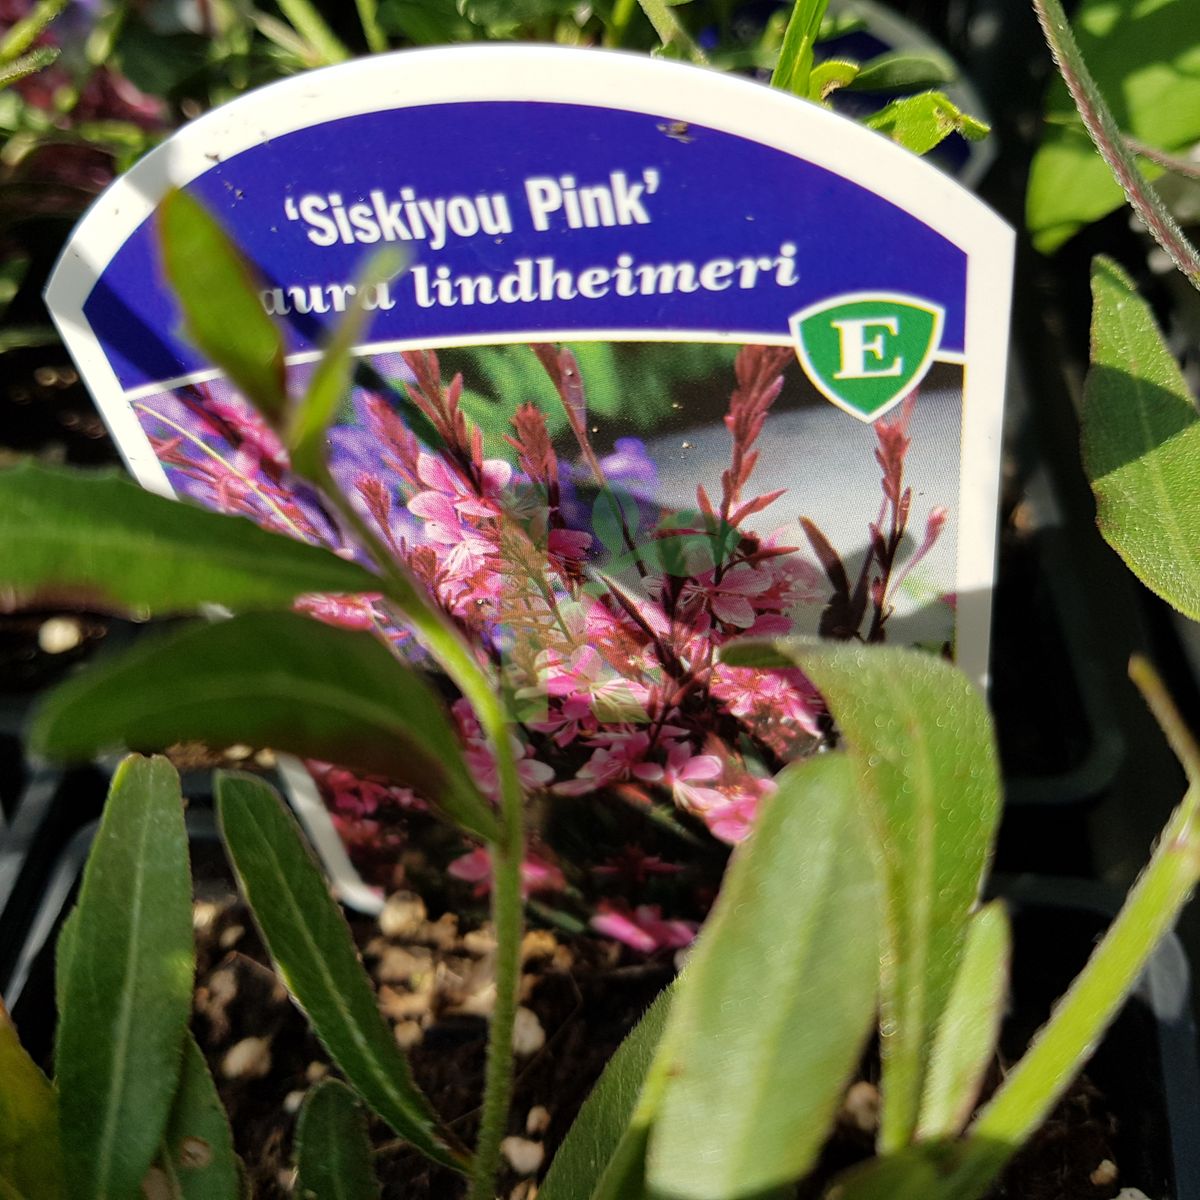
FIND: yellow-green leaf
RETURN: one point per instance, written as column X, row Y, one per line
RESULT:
column 30, row 1153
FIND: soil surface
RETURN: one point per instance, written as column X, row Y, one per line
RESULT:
column 580, row 995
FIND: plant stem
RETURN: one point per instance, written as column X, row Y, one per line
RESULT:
column 670, row 30
column 1169, row 162
column 1103, row 129
column 453, row 654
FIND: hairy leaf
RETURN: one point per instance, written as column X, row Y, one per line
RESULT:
column 920, row 734
column 30, row 1151
column 127, row 994
column 919, row 123
column 903, row 71
column 770, row 1017
column 277, row 680
column 315, row 955
column 966, row 1038
column 99, row 538
column 223, row 316
column 1141, row 443
column 597, row 1131
column 333, row 1154
column 197, row 1151
column 1144, row 56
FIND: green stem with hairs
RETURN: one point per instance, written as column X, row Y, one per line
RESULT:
column 1104, row 131
column 454, row 655
column 670, row 29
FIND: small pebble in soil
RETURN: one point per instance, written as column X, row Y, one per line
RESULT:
column 204, row 913
column 248, row 1059
column 536, row 944
column 156, row 1185
column 403, row 916
column 231, row 936
column 59, row 634
column 292, row 1101
column 480, row 941
column 528, row 1035
column 408, row 1034
column 860, row 1108
column 315, row 1071
column 1105, row 1175
column 538, row 1119
column 524, row 1156
column 1132, row 1193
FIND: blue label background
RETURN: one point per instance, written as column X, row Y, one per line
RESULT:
column 720, row 196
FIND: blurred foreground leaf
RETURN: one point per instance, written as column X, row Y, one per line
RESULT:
column 97, row 538
column 276, row 680
column 30, row 1151
column 769, row 1019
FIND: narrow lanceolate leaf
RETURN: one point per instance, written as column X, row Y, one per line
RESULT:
column 277, row 680
column 604, row 1119
column 127, row 992
column 970, row 1026
column 770, row 1017
column 919, row 123
column 334, row 1152
column 315, row 955
column 197, row 1149
column 920, row 735
column 97, row 538
column 795, row 63
column 219, row 295
column 1141, row 444
column 330, row 380
column 30, row 1151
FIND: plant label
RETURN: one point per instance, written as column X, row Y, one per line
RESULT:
column 751, row 331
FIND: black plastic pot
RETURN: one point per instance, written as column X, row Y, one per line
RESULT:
column 1147, row 1064
column 1146, row 1067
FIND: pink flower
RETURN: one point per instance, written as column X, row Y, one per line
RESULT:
column 347, row 612
column 732, row 816
column 642, row 929
column 537, row 874
column 620, row 757
column 532, row 773
column 771, row 702
column 728, row 599
column 683, row 771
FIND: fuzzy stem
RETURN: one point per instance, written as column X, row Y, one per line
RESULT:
column 670, row 30
column 1103, row 129
column 455, row 657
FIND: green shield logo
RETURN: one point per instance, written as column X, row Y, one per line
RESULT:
column 866, row 351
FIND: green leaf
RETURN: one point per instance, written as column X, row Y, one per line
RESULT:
column 1141, row 443
column 919, row 123
column 769, row 1019
column 97, row 538
column 30, row 1151
column 21, row 35
column 920, row 734
column 597, row 1131
column 1144, row 56
column 315, row 955
column 273, row 679
column 909, row 1175
column 28, row 64
column 307, row 21
column 218, row 293
column 827, row 77
column 903, row 71
column 969, row 1029
column 197, row 1151
column 330, row 381
column 334, row 1151
column 127, row 994
column 795, row 63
